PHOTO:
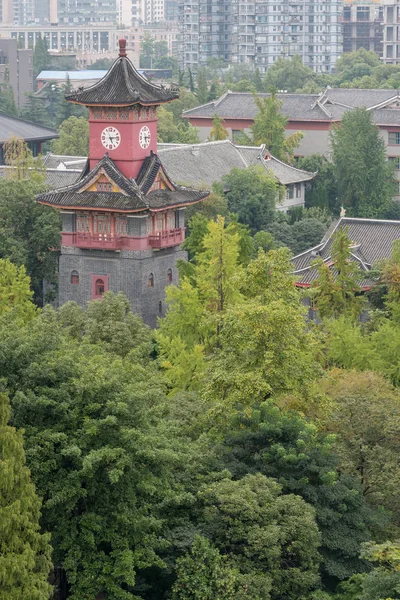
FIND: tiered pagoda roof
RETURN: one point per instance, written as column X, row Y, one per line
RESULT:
column 129, row 195
column 123, row 86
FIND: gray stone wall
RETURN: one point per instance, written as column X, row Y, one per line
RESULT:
column 127, row 272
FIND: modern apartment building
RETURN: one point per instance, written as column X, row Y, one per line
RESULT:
column 16, row 67
column 391, row 31
column 205, row 32
column 259, row 32
column 19, row 12
column 363, row 26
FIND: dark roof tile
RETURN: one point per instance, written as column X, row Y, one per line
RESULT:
column 11, row 126
column 123, row 86
column 373, row 241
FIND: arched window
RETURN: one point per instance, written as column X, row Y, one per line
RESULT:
column 160, row 307
column 100, row 287
column 74, row 277
column 169, row 276
column 150, row 281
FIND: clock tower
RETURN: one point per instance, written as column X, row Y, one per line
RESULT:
column 123, row 115
column 123, row 221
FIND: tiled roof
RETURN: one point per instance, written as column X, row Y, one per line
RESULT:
column 63, row 161
column 327, row 106
column 54, row 177
column 131, row 198
column 236, row 105
column 372, row 241
column 359, row 98
column 30, row 132
column 203, row 164
column 386, row 116
column 123, row 86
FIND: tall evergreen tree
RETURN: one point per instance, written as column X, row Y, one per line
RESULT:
column 7, row 99
column 25, row 552
column 365, row 177
column 202, row 86
column 41, row 56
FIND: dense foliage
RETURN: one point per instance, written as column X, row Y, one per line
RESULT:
column 239, row 450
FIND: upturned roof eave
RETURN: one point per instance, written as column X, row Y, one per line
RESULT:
column 121, row 104
column 95, row 208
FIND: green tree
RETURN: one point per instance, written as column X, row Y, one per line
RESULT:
column 269, row 128
column 147, row 51
column 264, row 348
column 15, row 293
column 307, row 233
column 7, row 98
column 270, row 538
column 322, row 190
column 25, row 552
column 365, row 416
column 253, row 194
column 41, row 56
column 74, row 137
column 365, row 177
column 218, row 131
column 202, row 86
column 282, row 444
column 102, row 64
column 203, row 574
column 288, row 74
column 18, row 156
column 195, row 308
column 34, row 110
column 160, row 49
column 29, row 232
column 383, row 583
column 167, row 129
column 88, row 416
column 335, row 291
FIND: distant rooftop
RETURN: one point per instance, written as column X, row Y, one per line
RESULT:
column 30, row 132
column 328, row 106
column 372, row 240
column 73, row 75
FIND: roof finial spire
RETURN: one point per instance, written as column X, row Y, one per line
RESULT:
column 122, row 47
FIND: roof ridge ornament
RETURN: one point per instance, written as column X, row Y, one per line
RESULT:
column 122, row 47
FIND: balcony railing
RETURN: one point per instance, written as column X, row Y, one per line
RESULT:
column 162, row 239
column 165, row 239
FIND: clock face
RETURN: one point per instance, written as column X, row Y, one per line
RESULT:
column 110, row 138
column 144, row 137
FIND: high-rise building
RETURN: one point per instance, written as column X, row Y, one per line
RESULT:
column 259, row 32
column 17, row 12
column 363, row 25
column 266, row 30
column 148, row 11
column 205, row 32
column 16, row 68
column 391, row 31
column 85, row 11
column 124, row 12
column 171, row 10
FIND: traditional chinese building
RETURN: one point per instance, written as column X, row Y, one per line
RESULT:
column 123, row 220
